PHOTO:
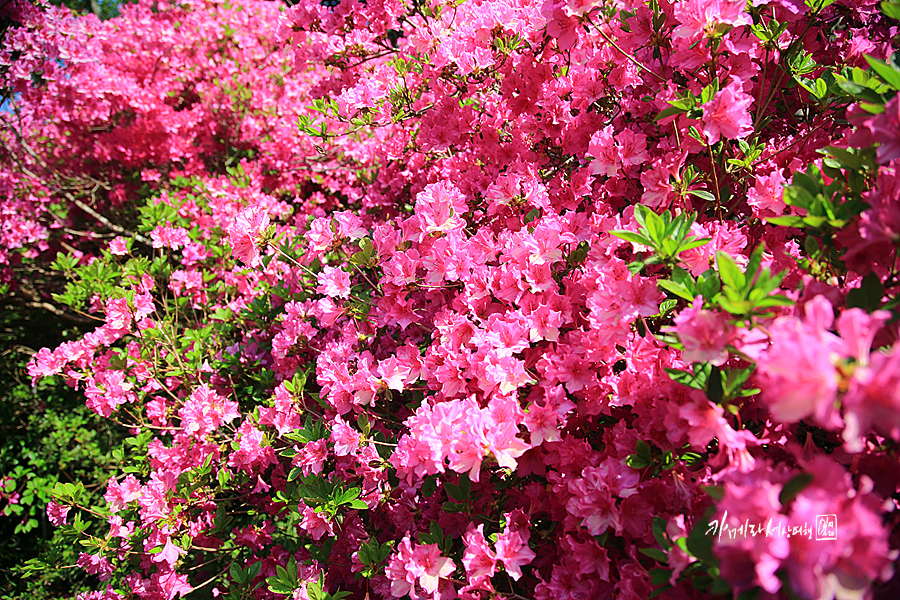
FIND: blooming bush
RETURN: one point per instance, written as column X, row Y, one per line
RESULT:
column 471, row 300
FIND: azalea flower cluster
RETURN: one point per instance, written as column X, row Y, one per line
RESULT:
column 494, row 299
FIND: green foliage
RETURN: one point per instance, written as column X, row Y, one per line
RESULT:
column 665, row 235
column 719, row 385
column 743, row 294
column 648, row 456
column 48, row 439
column 827, row 207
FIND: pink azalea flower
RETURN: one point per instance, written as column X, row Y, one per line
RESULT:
column 57, row 513
column 118, row 246
column 703, row 333
column 429, row 566
column 512, row 545
column 95, row 564
column 334, row 282
column 727, row 114
column 479, row 560
column 346, row 439
column 702, row 17
column 169, row 553
column 246, row 232
column 797, row 372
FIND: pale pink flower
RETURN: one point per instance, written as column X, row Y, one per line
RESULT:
column 440, row 207
column 766, row 196
column 603, row 150
column 311, row 457
column 95, row 564
column 205, row 411
column 118, row 495
column 542, row 422
column 315, row 524
column 885, row 129
column 117, row 314
column 169, row 237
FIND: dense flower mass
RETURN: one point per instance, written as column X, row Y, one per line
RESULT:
column 485, row 299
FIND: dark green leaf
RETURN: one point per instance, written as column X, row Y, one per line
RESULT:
column 793, row 487
column 659, row 532
column 714, row 391
column 655, row 554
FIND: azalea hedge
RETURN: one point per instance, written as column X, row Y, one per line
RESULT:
column 480, row 299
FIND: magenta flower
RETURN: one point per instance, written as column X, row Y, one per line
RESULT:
column 705, row 334
column 245, row 234
column 702, row 17
column 57, row 513
column 727, row 114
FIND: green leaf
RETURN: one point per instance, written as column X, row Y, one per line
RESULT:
column 660, row 576
column 793, row 487
column 734, row 379
column 708, row 284
column 693, row 243
column 699, row 545
column 655, row 554
column 633, row 237
column 643, row 450
column 455, row 492
column 656, row 228
column 659, row 591
column 868, row 295
column 703, row 195
column 844, row 155
column 696, row 380
column 636, row 462
column 668, row 112
column 676, row 288
column 363, row 422
column 277, row 586
column 891, row 9
column 714, row 391
column 772, row 301
column 659, row 532
column 366, row 552
column 465, row 484
column 821, row 88
column 729, row 272
column 716, row 492
column 800, row 195
column 237, row 573
column 887, row 72
column 788, row 221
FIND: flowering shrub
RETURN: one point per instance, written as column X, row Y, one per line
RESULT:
column 472, row 300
